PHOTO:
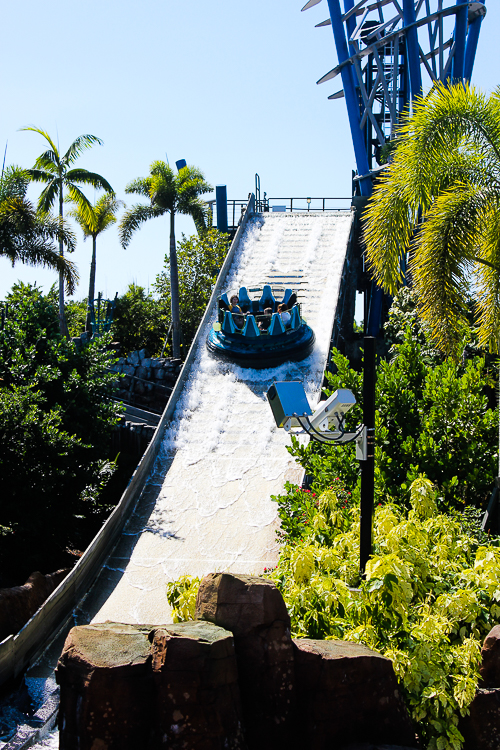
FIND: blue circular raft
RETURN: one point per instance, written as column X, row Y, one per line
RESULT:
column 255, row 335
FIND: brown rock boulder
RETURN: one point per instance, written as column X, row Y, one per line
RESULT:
column 197, row 702
column 490, row 655
column 481, row 728
column 106, row 687
column 255, row 612
column 348, row 694
column 125, row 687
column 19, row 604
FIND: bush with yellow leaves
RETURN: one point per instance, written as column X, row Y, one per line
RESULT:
column 430, row 595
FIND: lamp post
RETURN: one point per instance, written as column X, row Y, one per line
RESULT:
column 367, row 464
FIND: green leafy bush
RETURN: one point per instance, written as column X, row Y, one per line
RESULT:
column 199, row 260
column 139, row 321
column 431, row 594
column 56, row 421
column 181, row 595
column 434, row 420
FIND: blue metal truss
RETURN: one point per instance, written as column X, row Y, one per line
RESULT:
column 389, row 52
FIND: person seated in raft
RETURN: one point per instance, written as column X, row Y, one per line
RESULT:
column 237, row 312
column 264, row 323
column 285, row 316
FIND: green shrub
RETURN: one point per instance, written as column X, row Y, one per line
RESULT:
column 139, row 321
column 431, row 594
column 430, row 419
column 56, row 421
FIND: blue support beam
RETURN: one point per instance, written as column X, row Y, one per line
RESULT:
column 383, row 59
column 409, row 18
column 460, row 38
column 471, row 47
column 351, row 97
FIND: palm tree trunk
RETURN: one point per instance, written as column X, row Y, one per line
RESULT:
column 63, row 326
column 90, row 301
column 174, row 291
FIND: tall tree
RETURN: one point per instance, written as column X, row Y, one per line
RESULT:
column 92, row 224
column 29, row 236
column 54, row 170
column 199, row 259
column 168, row 193
column 439, row 201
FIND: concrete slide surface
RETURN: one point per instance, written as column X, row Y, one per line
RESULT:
column 207, row 503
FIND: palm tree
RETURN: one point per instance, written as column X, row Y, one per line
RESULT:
column 168, row 193
column 53, row 169
column 28, row 236
column 439, row 201
column 101, row 216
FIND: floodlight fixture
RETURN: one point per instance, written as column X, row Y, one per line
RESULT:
column 292, row 412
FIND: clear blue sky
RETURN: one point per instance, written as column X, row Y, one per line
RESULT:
column 227, row 85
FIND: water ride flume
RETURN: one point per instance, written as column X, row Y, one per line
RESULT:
column 260, row 327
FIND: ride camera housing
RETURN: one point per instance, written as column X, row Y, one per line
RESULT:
column 292, row 412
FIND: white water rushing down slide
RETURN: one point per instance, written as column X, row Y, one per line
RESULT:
column 207, row 504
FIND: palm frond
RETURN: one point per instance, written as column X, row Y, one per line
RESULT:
column 40, row 175
column 14, row 182
column 133, row 218
column 45, row 135
column 49, row 196
column 102, row 214
column 191, row 182
column 84, row 177
column 79, row 145
column 49, row 161
column 82, row 202
column 198, row 210
column 29, row 237
column 140, row 186
column 442, row 261
column 488, row 277
column 389, row 221
column 36, row 253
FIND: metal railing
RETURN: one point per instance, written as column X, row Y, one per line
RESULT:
column 236, row 208
column 289, row 205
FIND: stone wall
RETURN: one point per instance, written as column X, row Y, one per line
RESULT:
column 19, row 604
column 231, row 679
column 147, row 382
column 481, row 728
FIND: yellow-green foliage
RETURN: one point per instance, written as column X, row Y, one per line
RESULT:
column 429, row 598
column 430, row 595
column 181, row 595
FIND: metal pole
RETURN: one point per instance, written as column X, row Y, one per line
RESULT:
column 460, row 40
column 412, row 47
column 351, row 97
column 470, row 50
column 368, row 465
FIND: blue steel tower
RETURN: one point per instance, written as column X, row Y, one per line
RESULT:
column 389, row 52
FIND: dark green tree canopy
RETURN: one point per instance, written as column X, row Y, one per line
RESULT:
column 56, row 422
column 200, row 259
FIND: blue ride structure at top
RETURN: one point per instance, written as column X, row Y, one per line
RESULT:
column 390, row 52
